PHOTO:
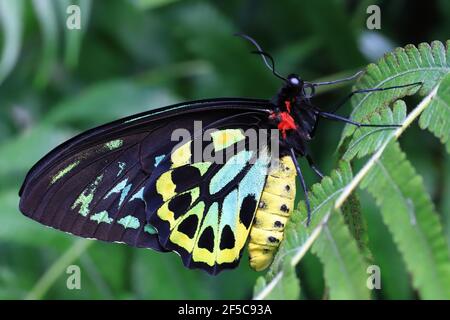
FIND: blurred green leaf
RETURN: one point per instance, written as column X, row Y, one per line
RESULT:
column 152, row 4
column 11, row 13
column 57, row 268
column 20, row 153
column 331, row 23
column 106, row 102
column 45, row 12
column 16, row 228
column 164, row 277
column 446, row 201
column 395, row 279
column 73, row 38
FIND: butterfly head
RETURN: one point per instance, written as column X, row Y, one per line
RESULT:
column 294, row 82
column 297, row 88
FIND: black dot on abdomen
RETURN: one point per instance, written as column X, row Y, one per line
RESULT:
column 278, row 224
column 273, row 239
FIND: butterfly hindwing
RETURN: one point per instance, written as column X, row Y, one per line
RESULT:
column 204, row 210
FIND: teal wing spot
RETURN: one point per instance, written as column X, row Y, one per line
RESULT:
column 64, row 171
column 254, row 180
column 129, row 222
column 158, row 159
column 229, row 210
column 229, row 171
column 138, row 195
column 85, row 198
column 150, row 229
column 123, row 188
column 102, row 217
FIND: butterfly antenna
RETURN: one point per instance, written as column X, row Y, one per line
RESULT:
column 325, row 83
column 264, row 55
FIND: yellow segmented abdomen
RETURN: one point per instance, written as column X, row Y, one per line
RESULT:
column 274, row 209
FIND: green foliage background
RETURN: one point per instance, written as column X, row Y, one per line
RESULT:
column 134, row 55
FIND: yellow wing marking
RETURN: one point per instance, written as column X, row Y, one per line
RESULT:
column 202, row 254
column 182, row 239
column 224, row 138
column 181, row 156
column 167, row 215
column 165, row 186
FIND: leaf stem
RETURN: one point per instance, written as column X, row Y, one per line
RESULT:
column 57, row 268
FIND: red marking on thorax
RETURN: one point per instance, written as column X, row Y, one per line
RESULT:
column 288, row 105
column 286, row 122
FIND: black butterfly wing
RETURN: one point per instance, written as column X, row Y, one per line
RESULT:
column 92, row 185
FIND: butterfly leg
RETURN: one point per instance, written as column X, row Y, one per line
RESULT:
column 313, row 166
column 302, row 181
column 351, row 94
column 335, row 117
column 314, row 129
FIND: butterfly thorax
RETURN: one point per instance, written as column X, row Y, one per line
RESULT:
column 292, row 115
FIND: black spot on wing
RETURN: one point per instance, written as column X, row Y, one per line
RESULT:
column 188, row 226
column 206, row 240
column 185, row 177
column 247, row 210
column 227, row 240
column 180, row 204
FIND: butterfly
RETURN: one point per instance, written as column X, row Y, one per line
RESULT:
column 128, row 181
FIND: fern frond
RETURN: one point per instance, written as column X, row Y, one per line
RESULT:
column 436, row 117
column 410, row 216
column 344, row 266
column 288, row 288
column 425, row 63
column 366, row 140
